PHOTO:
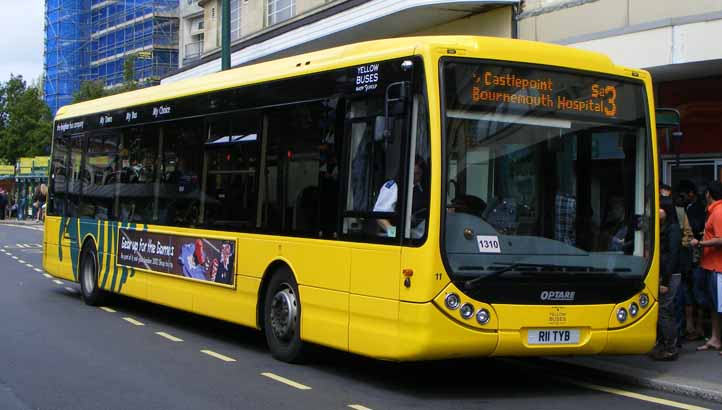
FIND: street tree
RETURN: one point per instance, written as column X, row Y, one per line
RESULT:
column 25, row 121
column 90, row 90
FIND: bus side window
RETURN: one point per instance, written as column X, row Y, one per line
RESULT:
column 419, row 186
column 180, row 170
column 301, row 186
column 75, row 174
column 138, row 158
column 230, row 157
column 101, row 170
column 374, row 176
column 58, row 178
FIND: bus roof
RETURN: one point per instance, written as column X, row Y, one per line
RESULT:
column 487, row 47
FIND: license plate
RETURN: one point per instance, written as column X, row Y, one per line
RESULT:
column 553, row 336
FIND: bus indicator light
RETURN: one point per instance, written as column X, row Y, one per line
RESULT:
column 466, row 311
column 643, row 300
column 483, row 316
column 452, row 301
column 622, row 315
column 633, row 309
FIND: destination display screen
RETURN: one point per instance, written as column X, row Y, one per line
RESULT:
column 526, row 89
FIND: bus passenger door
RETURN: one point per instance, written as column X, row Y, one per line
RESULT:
column 372, row 223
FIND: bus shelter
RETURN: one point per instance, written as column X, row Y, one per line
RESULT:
column 30, row 172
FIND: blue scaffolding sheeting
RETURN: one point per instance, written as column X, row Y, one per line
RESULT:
column 67, row 58
column 103, row 35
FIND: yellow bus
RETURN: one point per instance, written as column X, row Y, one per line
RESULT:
column 403, row 199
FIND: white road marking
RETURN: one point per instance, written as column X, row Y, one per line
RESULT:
column 21, row 261
column 218, row 356
column 107, row 309
column 20, row 245
column 169, row 336
column 358, row 407
column 133, row 321
column 37, row 270
column 14, row 257
column 59, row 282
column 71, row 290
column 47, row 276
column 29, row 265
column 34, row 228
column 637, row 396
column 286, row 381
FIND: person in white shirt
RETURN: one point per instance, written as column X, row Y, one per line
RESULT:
column 388, row 196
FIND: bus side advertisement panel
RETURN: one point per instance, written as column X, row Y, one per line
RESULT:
column 206, row 259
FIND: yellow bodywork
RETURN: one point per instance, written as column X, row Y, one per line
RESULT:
column 352, row 294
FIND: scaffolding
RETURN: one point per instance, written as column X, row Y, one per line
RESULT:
column 144, row 30
column 67, row 39
column 92, row 39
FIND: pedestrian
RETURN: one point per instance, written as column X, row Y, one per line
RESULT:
column 21, row 207
column 3, row 203
column 694, row 282
column 36, row 203
column 665, row 190
column 669, row 279
column 711, row 263
column 42, row 199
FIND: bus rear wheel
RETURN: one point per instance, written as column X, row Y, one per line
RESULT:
column 282, row 317
column 92, row 294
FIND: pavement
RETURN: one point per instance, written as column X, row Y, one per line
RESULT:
column 694, row 374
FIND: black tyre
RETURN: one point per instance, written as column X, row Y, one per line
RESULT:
column 282, row 317
column 88, row 276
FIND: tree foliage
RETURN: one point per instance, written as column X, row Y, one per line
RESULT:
column 90, row 90
column 25, row 121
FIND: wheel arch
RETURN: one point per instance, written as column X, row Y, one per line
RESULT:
column 273, row 267
column 88, row 240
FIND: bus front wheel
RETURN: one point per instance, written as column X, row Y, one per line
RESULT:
column 92, row 294
column 282, row 317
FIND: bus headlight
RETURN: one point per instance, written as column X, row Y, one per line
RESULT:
column 633, row 309
column 452, row 301
column 467, row 310
column 483, row 316
column 622, row 315
column 643, row 300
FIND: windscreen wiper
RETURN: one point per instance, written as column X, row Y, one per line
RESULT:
column 541, row 268
column 469, row 284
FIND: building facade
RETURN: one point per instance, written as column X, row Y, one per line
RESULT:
column 266, row 29
column 105, row 40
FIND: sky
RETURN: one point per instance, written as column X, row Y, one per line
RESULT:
column 21, row 39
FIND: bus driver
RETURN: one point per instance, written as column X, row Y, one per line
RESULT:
column 387, row 200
